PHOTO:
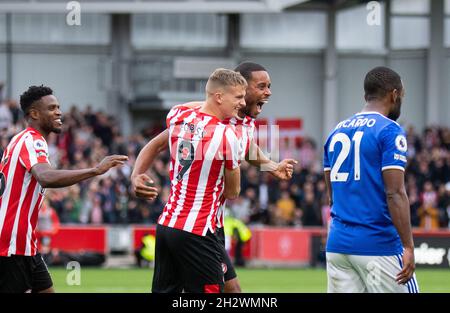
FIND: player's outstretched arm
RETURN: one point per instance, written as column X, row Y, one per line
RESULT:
column 232, row 186
column 48, row 177
column 141, row 182
column 282, row 170
column 398, row 204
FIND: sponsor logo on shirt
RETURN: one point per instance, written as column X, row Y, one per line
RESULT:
column 399, row 157
column 42, row 154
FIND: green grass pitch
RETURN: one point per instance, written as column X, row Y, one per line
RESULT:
column 98, row 280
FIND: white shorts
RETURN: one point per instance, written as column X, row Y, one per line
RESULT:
column 360, row 273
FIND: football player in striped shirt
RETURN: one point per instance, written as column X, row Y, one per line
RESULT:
column 25, row 172
column 370, row 246
column 257, row 94
column 204, row 166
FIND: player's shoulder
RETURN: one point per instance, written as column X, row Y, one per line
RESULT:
column 386, row 125
column 339, row 127
column 31, row 134
column 180, row 108
column 249, row 121
column 39, row 142
column 379, row 118
column 178, row 112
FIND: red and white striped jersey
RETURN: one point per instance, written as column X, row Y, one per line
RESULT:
column 200, row 147
column 244, row 129
column 20, row 194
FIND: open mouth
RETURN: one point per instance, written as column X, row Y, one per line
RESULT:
column 260, row 104
column 58, row 121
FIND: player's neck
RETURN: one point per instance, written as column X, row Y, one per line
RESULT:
column 241, row 114
column 211, row 109
column 39, row 129
column 376, row 106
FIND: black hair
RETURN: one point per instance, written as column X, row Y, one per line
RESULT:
column 33, row 94
column 246, row 69
column 379, row 81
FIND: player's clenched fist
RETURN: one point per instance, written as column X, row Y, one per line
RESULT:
column 285, row 169
column 109, row 162
column 142, row 187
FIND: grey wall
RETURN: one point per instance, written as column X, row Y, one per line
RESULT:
column 2, row 67
column 350, row 75
column 297, row 83
column 75, row 78
column 413, row 73
column 445, row 105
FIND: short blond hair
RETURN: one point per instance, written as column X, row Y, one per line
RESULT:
column 223, row 77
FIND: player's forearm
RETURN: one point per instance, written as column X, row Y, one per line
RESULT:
column 64, row 178
column 328, row 187
column 232, row 184
column 144, row 159
column 148, row 154
column 398, row 205
column 257, row 158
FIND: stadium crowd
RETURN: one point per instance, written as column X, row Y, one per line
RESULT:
column 88, row 136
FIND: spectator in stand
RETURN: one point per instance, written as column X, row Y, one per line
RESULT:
column 310, row 207
column 47, row 227
column 284, row 210
column 428, row 212
column 443, row 204
column 83, row 142
column 2, row 85
column 6, row 117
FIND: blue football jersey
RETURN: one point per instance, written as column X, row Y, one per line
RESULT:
column 356, row 153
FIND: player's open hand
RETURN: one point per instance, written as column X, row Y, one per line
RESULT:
column 109, row 162
column 407, row 271
column 285, row 169
column 142, row 187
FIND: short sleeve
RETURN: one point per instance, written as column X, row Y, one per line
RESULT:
column 394, row 147
column 232, row 149
column 34, row 150
column 174, row 113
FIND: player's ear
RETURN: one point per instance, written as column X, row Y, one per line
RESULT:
column 34, row 113
column 394, row 95
column 218, row 96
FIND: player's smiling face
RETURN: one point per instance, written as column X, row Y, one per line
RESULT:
column 49, row 114
column 233, row 101
column 258, row 93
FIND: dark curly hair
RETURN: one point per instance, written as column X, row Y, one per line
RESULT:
column 246, row 69
column 379, row 81
column 33, row 94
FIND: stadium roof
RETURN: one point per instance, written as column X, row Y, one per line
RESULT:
column 170, row 6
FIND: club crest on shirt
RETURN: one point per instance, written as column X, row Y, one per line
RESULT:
column 401, row 144
column 40, row 144
column 5, row 160
column 224, row 268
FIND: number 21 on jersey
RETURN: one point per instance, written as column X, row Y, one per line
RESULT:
column 336, row 175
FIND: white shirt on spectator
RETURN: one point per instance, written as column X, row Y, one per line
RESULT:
column 6, row 117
